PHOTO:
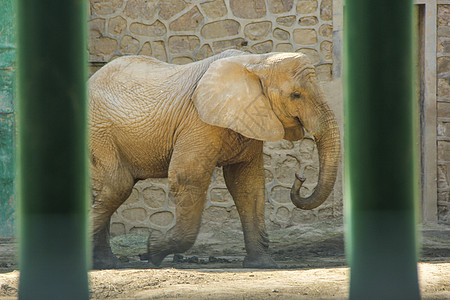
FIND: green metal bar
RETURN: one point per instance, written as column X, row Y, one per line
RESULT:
column 52, row 149
column 7, row 124
column 380, row 152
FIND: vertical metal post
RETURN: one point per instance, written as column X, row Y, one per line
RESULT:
column 52, row 149
column 380, row 149
column 7, row 124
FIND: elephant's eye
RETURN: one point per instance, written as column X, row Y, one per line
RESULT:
column 296, row 95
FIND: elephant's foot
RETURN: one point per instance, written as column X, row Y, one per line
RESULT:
column 261, row 261
column 158, row 248
column 105, row 259
column 157, row 258
column 161, row 246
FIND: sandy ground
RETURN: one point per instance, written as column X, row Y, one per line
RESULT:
column 311, row 257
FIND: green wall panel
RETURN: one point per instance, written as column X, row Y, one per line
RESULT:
column 7, row 124
column 7, row 91
column 6, row 175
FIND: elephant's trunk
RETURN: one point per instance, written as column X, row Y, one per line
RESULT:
column 328, row 145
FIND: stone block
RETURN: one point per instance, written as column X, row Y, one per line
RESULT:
column 204, row 52
column 218, row 177
column 443, row 31
column 443, row 64
column 280, row 6
column 443, row 129
column 326, row 31
column 443, row 109
column 169, row 8
column 182, row 60
column 141, row 230
column 312, row 54
column 284, row 47
column 324, row 72
column 101, row 48
column 263, row 47
column 443, row 151
column 162, row 218
column 96, row 27
column 249, row 9
column 444, row 200
column 154, row 197
column 300, row 216
column 220, row 29
column 280, row 194
column 281, row 34
column 146, row 49
column 190, row 21
column 214, row 9
column 287, row 21
column 326, row 10
column 326, row 49
column 444, row 211
column 306, row 6
column 159, row 50
column 286, row 168
column 444, row 47
column 310, row 172
column 129, row 45
column 217, row 218
column 305, row 36
column 133, row 198
column 94, row 67
column 221, row 46
column 280, row 145
column 268, row 175
column 325, row 213
column 257, row 31
column 443, row 179
column 443, row 13
column 444, row 87
column 283, row 215
column 117, row 229
column 267, row 157
column 308, row 151
column 105, row 7
column 134, row 214
column 181, row 44
column 117, row 25
column 154, row 30
column 221, row 196
column 308, row 21
column 141, row 9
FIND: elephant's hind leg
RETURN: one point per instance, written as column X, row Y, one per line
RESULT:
column 190, row 173
column 110, row 190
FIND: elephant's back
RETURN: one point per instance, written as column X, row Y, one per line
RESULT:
column 136, row 107
column 126, row 71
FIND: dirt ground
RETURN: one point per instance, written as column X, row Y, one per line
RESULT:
column 312, row 261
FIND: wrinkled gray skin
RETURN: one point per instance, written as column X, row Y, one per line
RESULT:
column 150, row 119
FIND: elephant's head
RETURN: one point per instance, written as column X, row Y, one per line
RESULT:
column 270, row 97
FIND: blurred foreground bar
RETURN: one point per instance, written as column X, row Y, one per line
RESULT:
column 380, row 152
column 52, row 149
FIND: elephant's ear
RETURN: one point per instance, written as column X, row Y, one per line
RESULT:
column 230, row 95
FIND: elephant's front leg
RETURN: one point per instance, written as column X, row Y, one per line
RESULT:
column 245, row 181
column 190, row 174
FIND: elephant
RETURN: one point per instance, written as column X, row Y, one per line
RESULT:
column 151, row 119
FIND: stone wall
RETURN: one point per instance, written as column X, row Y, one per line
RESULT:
column 181, row 32
column 443, row 112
